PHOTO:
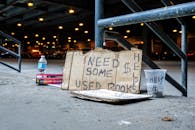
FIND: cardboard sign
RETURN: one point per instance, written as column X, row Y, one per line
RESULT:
column 103, row 69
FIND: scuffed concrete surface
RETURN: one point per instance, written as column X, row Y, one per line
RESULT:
column 26, row 106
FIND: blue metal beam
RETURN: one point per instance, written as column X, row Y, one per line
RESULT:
column 99, row 13
column 175, row 11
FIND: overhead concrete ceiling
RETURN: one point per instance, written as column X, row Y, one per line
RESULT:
column 55, row 13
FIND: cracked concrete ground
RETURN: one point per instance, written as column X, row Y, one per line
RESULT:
column 26, row 106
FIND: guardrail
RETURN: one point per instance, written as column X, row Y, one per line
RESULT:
column 10, row 52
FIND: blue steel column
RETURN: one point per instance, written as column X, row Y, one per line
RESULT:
column 20, row 57
column 184, row 61
column 99, row 13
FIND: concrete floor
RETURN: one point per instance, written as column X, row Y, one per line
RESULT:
column 26, row 106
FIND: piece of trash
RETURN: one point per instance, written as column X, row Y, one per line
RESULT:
column 123, row 122
column 168, row 118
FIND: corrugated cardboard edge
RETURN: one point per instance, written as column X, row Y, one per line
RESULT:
column 67, row 70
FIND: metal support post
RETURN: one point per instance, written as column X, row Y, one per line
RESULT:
column 99, row 13
column 184, row 61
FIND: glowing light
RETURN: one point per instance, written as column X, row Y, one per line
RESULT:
column 19, row 24
column 174, row 30
column 12, row 33
column 54, row 36
column 128, row 31
column 43, row 38
column 88, row 40
column 86, row 32
column 25, row 36
column 81, row 24
column 125, row 37
column 30, row 4
column 35, row 50
column 28, row 42
column 76, row 29
column 69, row 38
column 75, row 41
column 60, row 27
column 110, row 28
column 48, row 42
column 41, row 19
column 193, row 17
column 71, row 11
column 142, row 24
column 180, row 31
column 36, row 35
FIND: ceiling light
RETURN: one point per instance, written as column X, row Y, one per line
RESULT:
column 75, row 41
column 41, row 19
column 37, row 41
column 180, row 31
column 69, row 38
column 19, row 24
column 54, row 36
column 142, row 24
column 86, row 32
column 28, row 42
column 25, row 36
column 128, row 31
column 125, row 37
column 88, row 40
column 60, row 27
column 71, row 11
column 81, row 24
column 110, row 28
column 193, row 17
column 12, row 33
column 48, row 42
column 76, row 29
column 43, row 38
column 30, row 4
column 36, row 35
column 174, row 30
